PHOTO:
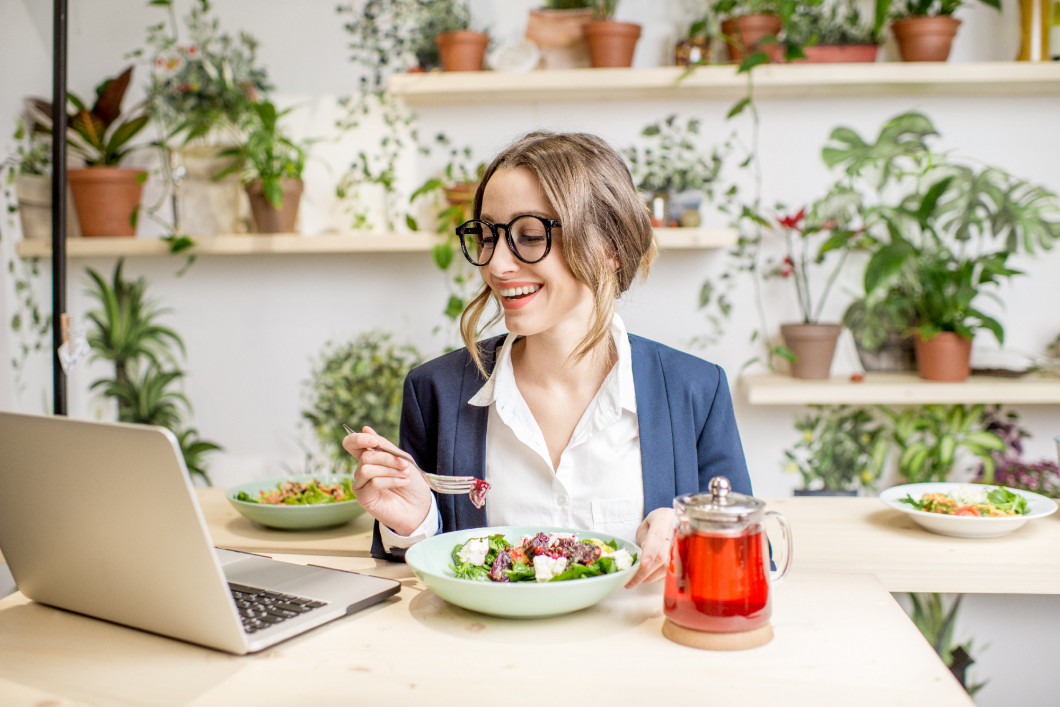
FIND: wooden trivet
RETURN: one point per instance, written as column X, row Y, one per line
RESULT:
column 739, row 641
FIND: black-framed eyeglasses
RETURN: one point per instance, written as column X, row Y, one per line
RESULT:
column 529, row 238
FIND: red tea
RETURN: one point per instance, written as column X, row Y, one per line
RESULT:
column 718, row 583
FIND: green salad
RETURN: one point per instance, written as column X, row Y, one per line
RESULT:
column 296, row 493
column 545, row 557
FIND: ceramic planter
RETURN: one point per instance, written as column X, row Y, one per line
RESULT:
column 34, row 194
column 830, row 54
column 943, row 357
column 560, row 36
column 205, row 206
column 692, row 51
column 268, row 218
column 462, row 50
column 925, row 38
column 611, row 44
column 813, row 346
column 742, row 34
column 107, row 199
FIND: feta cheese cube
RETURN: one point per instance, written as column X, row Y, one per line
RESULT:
column 545, row 567
column 623, row 560
column 474, row 551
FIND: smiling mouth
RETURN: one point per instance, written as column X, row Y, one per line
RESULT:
column 514, row 293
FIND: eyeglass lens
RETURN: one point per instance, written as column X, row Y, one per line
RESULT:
column 529, row 235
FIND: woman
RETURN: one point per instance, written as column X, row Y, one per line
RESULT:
column 571, row 420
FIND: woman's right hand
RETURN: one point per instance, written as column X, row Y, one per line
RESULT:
column 388, row 486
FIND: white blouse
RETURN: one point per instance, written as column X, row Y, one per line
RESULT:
column 598, row 484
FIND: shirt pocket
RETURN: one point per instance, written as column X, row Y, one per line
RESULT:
column 618, row 516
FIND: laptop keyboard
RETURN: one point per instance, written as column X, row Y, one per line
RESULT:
column 260, row 608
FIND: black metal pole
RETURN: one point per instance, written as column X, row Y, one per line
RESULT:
column 58, row 200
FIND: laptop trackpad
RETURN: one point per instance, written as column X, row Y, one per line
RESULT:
column 257, row 571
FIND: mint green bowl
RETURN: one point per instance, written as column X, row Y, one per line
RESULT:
column 430, row 560
column 293, row 517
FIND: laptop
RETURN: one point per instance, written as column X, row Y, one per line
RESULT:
column 102, row 519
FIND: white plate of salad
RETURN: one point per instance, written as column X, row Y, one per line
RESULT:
column 967, row 510
column 297, row 502
column 523, row 571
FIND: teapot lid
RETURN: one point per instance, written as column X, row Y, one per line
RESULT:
column 720, row 504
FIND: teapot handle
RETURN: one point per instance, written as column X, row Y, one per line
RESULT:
column 785, row 530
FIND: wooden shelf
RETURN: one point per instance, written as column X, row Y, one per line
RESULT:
column 899, row 389
column 722, row 82
column 293, row 244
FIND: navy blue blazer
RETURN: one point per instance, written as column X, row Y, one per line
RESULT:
column 687, row 426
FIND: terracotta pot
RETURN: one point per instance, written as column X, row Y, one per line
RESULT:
column 107, row 199
column 611, row 44
column 693, row 51
column 743, row 33
column 462, row 195
column 34, row 194
column 208, row 206
column 813, row 346
column 560, row 36
column 943, row 357
column 268, row 218
column 462, row 50
column 925, row 38
column 829, row 54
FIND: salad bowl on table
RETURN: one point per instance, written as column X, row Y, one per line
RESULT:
column 964, row 526
column 307, row 516
column 432, row 562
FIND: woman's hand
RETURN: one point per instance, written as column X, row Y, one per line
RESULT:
column 388, row 486
column 654, row 536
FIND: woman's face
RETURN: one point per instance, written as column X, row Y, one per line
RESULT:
column 542, row 298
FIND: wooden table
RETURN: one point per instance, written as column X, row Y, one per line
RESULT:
column 840, row 639
column 831, row 534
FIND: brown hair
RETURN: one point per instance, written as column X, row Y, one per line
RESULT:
column 604, row 223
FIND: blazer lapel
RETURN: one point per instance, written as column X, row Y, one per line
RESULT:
column 469, row 446
column 655, row 426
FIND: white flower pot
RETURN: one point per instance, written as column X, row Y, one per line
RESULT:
column 34, row 193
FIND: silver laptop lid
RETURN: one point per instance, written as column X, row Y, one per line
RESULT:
column 101, row 519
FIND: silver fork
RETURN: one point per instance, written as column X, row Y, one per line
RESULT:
column 438, row 482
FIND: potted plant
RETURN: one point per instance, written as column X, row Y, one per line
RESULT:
column 452, row 195
column 751, row 25
column 880, row 326
column 611, row 43
column 924, row 29
column 106, row 195
column 270, row 165
column 672, row 171
column 829, row 34
column 940, row 231
column 358, row 382
column 202, row 82
column 459, row 47
column 125, row 331
column 29, row 170
column 697, row 46
column 558, row 30
column 811, row 237
column 841, row 449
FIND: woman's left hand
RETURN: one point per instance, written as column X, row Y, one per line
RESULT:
column 654, row 536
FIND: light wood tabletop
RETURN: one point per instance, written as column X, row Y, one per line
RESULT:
column 831, row 534
column 839, row 639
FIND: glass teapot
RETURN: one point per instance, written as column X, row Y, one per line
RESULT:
column 719, row 574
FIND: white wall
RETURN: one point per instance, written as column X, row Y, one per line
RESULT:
column 252, row 324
